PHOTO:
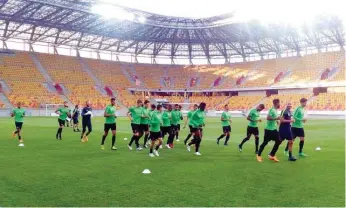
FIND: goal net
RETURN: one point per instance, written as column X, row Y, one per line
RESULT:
column 51, row 108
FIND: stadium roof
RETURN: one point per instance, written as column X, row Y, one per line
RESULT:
column 73, row 23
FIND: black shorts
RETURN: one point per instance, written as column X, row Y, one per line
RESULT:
column 155, row 135
column 19, row 125
column 86, row 124
column 226, row 129
column 75, row 121
column 285, row 133
column 144, row 127
column 136, row 128
column 190, row 128
column 174, row 128
column 111, row 126
column 271, row 135
column 178, row 127
column 61, row 122
column 252, row 130
column 166, row 130
column 298, row 132
column 194, row 130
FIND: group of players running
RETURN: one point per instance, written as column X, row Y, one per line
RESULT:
column 155, row 123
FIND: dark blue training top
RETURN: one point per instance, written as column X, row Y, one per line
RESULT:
column 286, row 114
column 76, row 113
column 86, row 118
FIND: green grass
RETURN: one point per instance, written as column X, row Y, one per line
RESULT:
column 48, row 172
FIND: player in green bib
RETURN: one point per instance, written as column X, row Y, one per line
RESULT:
column 63, row 113
column 135, row 115
column 110, row 124
column 188, row 122
column 271, row 132
column 197, row 122
column 181, row 118
column 226, row 125
column 167, row 125
column 297, row 126
column 18, row 114
column 176, row 116
column 144, row 126
column 151, row 111
column 252, row 129
column 155, row 131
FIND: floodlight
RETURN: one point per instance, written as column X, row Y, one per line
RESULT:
column 142, row 19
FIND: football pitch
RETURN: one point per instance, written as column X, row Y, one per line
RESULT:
column 50, row 172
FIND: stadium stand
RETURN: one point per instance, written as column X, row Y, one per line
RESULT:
column 109, row 73
column 25, row 81
column 175, row 99
column 328, row 101
column 150, row 74
column 31, row 94
column 231, row 74
column 207, row 74
column 267, row 71
column 211, row 101
column 308, row 68
column 19, row 67
column 243, row 102
column 80, row 87
column 81, row 93
column 180, row 76
column 64, row 69
column 285, row 99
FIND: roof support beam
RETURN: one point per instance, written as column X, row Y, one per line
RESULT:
column 32, row 33
column 39, row 37
column 23, row 31
column 80, row 39
column 142, row 48
column 13, row 31
column 100, row 44
column 6, row 28
column 116, row 43
column 4, row 44
column 57, row 37
column 128, row 46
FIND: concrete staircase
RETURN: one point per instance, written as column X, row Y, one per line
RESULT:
column 290, row 69
column 99, row 84
column 261, row 101
column 65, row 98
column 5, row 101
column 39, row 66
column 253, row 70
column 4, row 86
column 338, row 65
column 127, row 74
column 87, row 69
column 49, row 87
column 133, row 71
column 311, row 99
column 224, row 102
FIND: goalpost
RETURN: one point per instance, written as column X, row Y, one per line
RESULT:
column 51, row 108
